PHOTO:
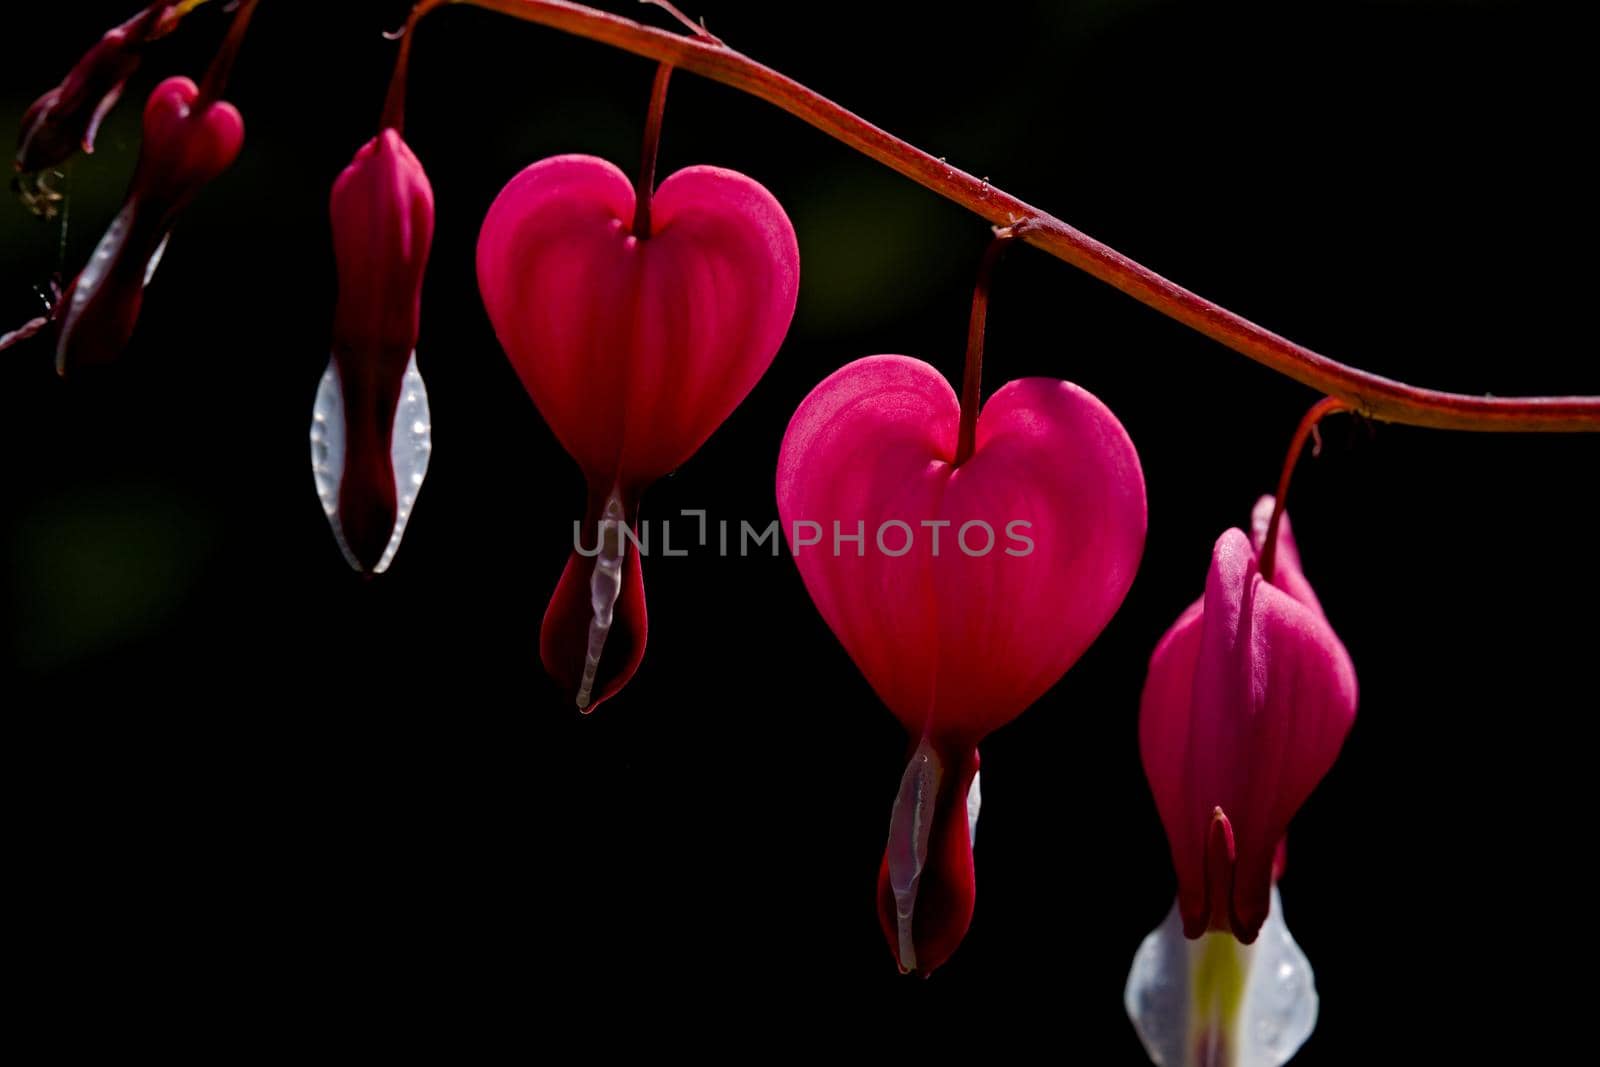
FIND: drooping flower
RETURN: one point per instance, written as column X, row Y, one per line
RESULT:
column 66, row 118
column 187, row 144
column 634, row 348
column 1248, row 701
column 371, row 433
column 962, row 592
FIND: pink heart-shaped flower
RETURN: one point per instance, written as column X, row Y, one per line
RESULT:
column 634, row 350
column 972, row 589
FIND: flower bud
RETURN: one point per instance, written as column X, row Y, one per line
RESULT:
column 67, row 117
column 185, row 148
column 371, row 431
column 1249, row 698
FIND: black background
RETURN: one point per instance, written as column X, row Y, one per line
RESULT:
column 249, row 788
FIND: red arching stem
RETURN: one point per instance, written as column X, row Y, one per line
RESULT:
column 1369, row 394
column 972, row 376
column 1326, row 406
column 645, row 187
column 216, row 78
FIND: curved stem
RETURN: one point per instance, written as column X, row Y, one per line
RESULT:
column 216, row 78
column 1308, row 425
column 1369, row 394
column 972, row 375
column 646, row 185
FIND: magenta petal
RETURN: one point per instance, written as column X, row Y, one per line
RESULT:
column 635, row 351
column 963, row 593
column 1248, row 700
column 958, row 640
column 1288, row 574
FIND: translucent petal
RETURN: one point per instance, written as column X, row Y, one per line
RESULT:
column 605, row 586
column 94, row 271
column 155, row 259
column 974, row 802
column 910, row 825
column 1258, row 1001
column 410, row 446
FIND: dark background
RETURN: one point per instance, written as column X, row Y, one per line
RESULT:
column 249, row 788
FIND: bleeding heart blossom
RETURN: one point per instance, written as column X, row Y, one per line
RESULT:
column 185, row 148
column 67, row 117
column 371, row 433
column 634, row 349
column 961, row 592
column 1248, row 700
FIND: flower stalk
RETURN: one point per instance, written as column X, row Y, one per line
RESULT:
column 972, row 374
column 1368, row 394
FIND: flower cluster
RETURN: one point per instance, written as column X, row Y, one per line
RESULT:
column 638, row 316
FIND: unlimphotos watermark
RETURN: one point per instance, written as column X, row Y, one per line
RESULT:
column 892, row 537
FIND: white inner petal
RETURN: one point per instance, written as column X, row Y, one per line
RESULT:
column 94, row 271
column 605, row 586
column 327, row 451
column 910, row 825
column 1179, row 993
column 410, row 446
column 974, row 802
column 155, row 259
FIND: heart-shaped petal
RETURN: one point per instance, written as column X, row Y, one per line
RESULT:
column 962, row 593
column 973, row 589
column 635, row 351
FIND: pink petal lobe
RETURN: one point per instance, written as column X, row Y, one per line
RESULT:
column 635, row 351
column 872, row 445
column 1247, row 702
column 1038, row 536
column 1164, row 739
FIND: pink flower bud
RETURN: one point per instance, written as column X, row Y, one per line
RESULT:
column 371, row 431
column 1248, row 700
column 67, row 117
column 184, row 150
